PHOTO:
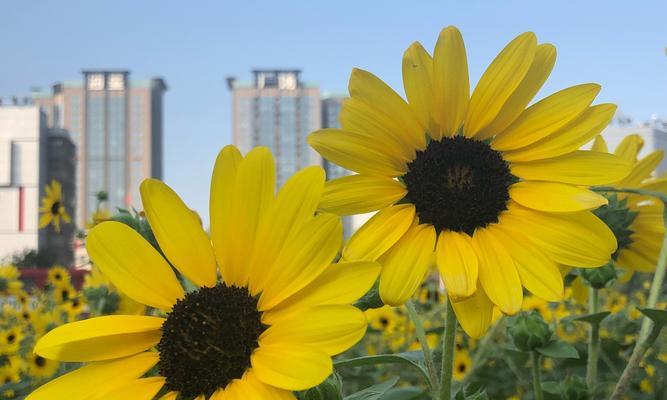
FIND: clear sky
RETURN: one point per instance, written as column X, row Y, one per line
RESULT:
column 194, row 45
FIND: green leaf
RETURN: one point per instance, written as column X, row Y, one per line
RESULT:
column 551, row 387
column 408, row 393
column 408, row 359
column 371, row 299
column 465, row 394
column 374, row 392
column 659, row 317
column 558, row 349
column 593, row 319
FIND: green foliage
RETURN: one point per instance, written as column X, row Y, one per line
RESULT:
column 599, row 278
column 529, row 331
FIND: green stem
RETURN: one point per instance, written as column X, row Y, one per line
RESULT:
column 448, row 348
column 656, row 286
column 421, row 337
column 633, row 364
column 642, row 192
column 593, row 343
column 537, row 376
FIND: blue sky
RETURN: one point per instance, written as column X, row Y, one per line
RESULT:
column 195, row 45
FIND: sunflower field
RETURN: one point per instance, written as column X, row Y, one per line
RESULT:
column 511, row 255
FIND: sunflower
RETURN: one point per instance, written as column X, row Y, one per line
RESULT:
column 98, row 217
column 383, row 319
column 532, row 303
column 637, row 221
column 63, row 293
column 41, row 368
column 9, row 280
column 58, row 276
column 8, row 375
column 268, row 327
column 53, row 207
column 462, row 365
column 10, row 340
column 493, row 187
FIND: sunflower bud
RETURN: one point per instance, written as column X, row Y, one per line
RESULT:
column 330, row 389
column 574, row 388
column 529, row 331
column 599, row 278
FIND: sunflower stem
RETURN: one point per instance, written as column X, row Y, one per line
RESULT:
column 593, row 343
column 448, row 348
column 421, row 337
column 537, row 376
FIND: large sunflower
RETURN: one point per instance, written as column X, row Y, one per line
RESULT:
column 53, row 208
column 269, row 326
column 494, row 187
column 637, row 221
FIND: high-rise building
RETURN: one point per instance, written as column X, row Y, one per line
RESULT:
column 116, row 125
column 32, row 155
column 277, row 110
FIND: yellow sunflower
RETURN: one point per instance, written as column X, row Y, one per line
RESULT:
column 532, row 303
column 10, row 340
column 42, row 368
column 98, row 217
column 268, row 327
column 58, row 276
column 493, row 187
column 8, row 375
column 637, row 221
column 63, row 293
column 383, row 319
column 9, row 279
column 462, row 365
column 53, row 207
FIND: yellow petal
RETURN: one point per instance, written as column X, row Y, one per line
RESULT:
column 101, row 338
column 451, row 85
column 457, row 263
column 545, row 58
column 45, row 219
column 249, row 387
column 634, row 260
column 568, row 138
column 253, row 194
column 376, row 126
column 342, row 283
column 356, row 152
column 405, row 264
column 139, row 389
column 171, row 396
column 497, row 273
column 371, row 90
column 220, row 204
column 332, row 329
column 600, row 145
column 498, row 82
column 302, row 259
column 576, row 168
column 358, row 194
column 642, row 169
column 294, row 205
column 555, row 197
column 133, row 265
column 99, row 377
column 539, row 273
column 577, row 239
column 179, row 233
column 417, row 82
column 629, row 147
column 474, row 313
column 379, row 233
column 546, row 116
column 291, row 366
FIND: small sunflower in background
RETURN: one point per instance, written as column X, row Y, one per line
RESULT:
column 533, row 303
column 41, row 368
column 496, row 187
column 58, row 276
column 462, row 365
column 637, row 221
column 270, row 327
column 63, row 293
column 385, row 319
column 10, row 282
column 53, row 210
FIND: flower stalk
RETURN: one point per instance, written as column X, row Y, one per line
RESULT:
column 448, row 348
column 537, row 375
column 421, row 338
column 593, row 343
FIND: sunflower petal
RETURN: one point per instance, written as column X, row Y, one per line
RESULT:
column 99, row 377
column 138, row 389
column 555, row 197
column 498, row 82
column 497, row 272
column 600, row 145
column 179, row 232
column 291, row 366
column 451, row 85
column 417, row 82
column 629, row 148
column 457, row 263
column 222, row 189
column 101, row 338
column 545, row 58
column 474, row 313
column 546, row 117
column 642, row 169
column 568, row 138
column 359, row 194
column 249, row 387
column 341, row 283
column 133, row 265
column 405, row 264
column 576, row 168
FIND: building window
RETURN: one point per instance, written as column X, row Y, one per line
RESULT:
column 116, row 82
column 96, row 82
